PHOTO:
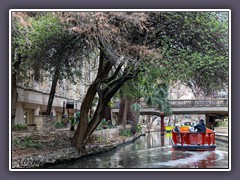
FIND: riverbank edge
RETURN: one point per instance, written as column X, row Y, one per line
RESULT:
column 221, row 137
column 43, row 160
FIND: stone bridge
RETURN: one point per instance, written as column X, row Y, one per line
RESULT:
column 192, row 106
column 212, row 108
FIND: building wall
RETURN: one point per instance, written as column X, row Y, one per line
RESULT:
column 31, row 103
column 33, row 96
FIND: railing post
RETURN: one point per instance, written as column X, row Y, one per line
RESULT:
column 193, row 102
column 181, row 139
column 213, row 141
column 203, row 138
column 188, row 138
column 209, row 139
column 225, row 102
column 174, row 137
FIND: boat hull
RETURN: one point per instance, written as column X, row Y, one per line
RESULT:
column 193, row 141
column 200, row 147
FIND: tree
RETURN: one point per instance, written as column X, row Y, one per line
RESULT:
column 120, row 58
column 194, row 39
column 54, row 50
column 125, row 40
column 20, row 43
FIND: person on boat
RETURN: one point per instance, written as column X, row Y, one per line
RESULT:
column 191, row 129
column 200, row 127
column 176, row 129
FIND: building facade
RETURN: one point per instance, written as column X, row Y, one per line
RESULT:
column 33, row 96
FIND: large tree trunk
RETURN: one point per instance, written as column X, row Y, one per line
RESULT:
column 105, row 87
column 79, row 135
column 107, row 113
column 125, row 112
column 130, row 115
column 162, row 124
column 53, row 90
column 15, row 68
column 135, row 116
column 14, row 97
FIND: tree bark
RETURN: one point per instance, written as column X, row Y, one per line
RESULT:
column 162, row 124
column 53, row 90
column 130, row 114
column 105, row 87
column 79, row 135
column 107, row 113
column 125, row 112
column 14, row 97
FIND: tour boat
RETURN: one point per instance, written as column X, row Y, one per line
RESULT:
column 193, row 141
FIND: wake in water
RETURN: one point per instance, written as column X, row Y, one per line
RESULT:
column 192, row 160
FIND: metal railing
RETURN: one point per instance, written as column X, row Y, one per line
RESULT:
column 194, row 138
column 199, row 103
column 189, row 103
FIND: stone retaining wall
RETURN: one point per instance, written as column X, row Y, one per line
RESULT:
column 37, row 160
column 221, row 130
column 44, row 159
column 221, row 137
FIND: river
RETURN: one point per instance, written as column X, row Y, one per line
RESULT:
column 153, row 151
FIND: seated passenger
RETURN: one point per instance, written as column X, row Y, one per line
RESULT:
column 200, row 127
column 191, row 129
column 176, row 129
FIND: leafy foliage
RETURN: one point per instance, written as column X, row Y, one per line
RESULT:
column 159, row 98
column 126, row 132
column 194, row 46
column 26, row 142
column 136, row 107
column 19, row 126
column 59, row 125
column 104, row 125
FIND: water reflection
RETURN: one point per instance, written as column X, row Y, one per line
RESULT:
column 153, row 151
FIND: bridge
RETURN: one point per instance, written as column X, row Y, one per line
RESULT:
column 192, row 106
column 212, row 108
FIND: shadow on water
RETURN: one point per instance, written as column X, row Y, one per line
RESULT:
column 153, row 151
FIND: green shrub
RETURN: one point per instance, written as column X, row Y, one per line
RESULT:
column 126, row 132
column 27, row 143
column 19, row 126
column 59, row 125
column 16, row 141
column 222, row 124
column 139, row 128
column 104, row 125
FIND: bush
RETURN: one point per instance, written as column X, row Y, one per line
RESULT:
column 223, row 123
column 104, row 125
column 19, row 126
column 139, row 128
column 59, row 125
column 26, row 142
column 126, row 132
